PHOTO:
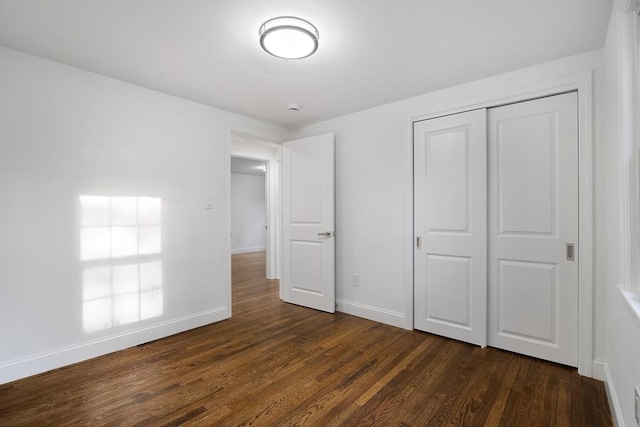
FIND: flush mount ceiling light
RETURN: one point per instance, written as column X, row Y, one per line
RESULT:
column 288, row 37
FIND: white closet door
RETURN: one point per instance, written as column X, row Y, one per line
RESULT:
column 450, row 257
column 533, row 283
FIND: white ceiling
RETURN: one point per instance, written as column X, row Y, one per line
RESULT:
column 247, row 166
column 371, row 52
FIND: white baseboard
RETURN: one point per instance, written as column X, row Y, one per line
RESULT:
column 376, row 314
column 598, row 370
column 614, row 404
column 42, row 362
column 248, row 250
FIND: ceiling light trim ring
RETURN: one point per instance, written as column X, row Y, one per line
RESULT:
column 305, row 27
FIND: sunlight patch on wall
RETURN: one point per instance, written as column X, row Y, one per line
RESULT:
column 120, row 248
column 113, row 227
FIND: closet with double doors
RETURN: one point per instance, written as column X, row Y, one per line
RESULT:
column 496, row 227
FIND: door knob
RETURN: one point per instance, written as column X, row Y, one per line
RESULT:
column 326, row 234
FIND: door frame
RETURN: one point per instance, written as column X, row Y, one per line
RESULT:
column 255, row 147
column 582, row 82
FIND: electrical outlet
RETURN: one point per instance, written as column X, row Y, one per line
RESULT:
column 637, row 399
column 356, row 280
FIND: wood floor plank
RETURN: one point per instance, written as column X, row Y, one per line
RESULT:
column 364, row 398
column 277, row 364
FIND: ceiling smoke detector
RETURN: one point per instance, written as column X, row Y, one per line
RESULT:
column 288, row 37
column 293, row 107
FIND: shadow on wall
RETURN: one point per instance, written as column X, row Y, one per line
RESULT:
column 120, row 249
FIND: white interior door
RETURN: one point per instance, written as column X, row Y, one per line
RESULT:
column 450, row 258
column 533, row 282
column 308, row 253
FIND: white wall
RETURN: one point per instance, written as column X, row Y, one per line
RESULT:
column 622, row 342
column 374, row 193
column 66, row 133
column 248, row 213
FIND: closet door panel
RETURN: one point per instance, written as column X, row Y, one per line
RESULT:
column 533, row 286
column 450, row 257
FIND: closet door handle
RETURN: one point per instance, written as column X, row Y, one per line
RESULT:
column 570, row 252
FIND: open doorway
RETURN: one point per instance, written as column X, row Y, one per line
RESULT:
column 247, row 228
column 248, row 206
column 248, row 221
column 251, row 148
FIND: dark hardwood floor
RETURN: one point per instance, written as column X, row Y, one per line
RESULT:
column 278, row 364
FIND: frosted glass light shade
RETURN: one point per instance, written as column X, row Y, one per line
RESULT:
column 289, row 37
